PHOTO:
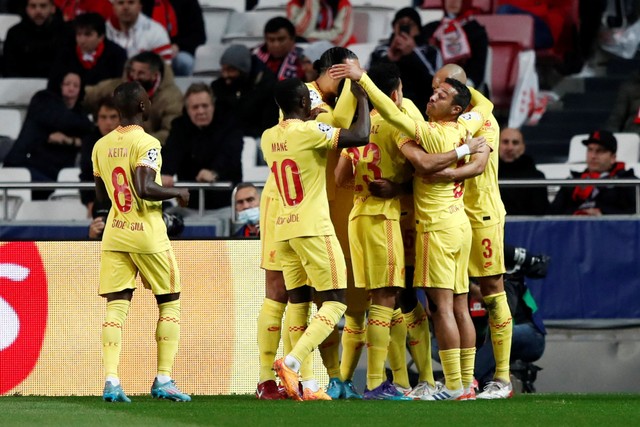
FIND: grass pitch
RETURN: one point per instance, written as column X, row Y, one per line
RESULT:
column 547, row 410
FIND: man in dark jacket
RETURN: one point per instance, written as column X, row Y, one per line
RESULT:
column 32, row 45
column 515, row 164
column 244, row 91
column 202, row 148
column 598, row 200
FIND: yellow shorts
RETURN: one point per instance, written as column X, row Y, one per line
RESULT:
column 487, row 251
column 377, row 254
column 268, row 212
column 322, row 260
column 158, row 272
column 442, row 259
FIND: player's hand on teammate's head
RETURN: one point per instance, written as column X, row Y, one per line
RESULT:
column 350, row 69
column 183, row 197
column 316, row 112
column 476, row 145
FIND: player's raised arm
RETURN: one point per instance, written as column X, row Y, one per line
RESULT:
column 358, row 133
column 482, row 109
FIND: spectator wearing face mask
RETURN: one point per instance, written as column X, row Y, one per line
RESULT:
column 247, row 208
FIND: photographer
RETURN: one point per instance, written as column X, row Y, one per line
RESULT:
column 528, row 340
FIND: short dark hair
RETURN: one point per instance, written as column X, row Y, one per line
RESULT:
column 242, row 185
column 154, row 61
column 463, row 98
column 386, row 76
column 335, row 55
column 91, row 21
column 288, row 94
column 127, row 97
column 275, row 24
column 106, row 102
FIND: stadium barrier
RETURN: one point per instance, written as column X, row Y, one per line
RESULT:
column 51, row 318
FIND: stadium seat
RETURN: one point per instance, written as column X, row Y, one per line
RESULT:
column 272, row 4
column 67, row 175
column 243, row 25
column 17, row 92
column 183, row 82
column 508, row 36
column 222, row 4
column 392, row 4
column 377, row 20
column 215, row 24
column 628, row 148
column 363, row 51
column 251, row 172
column 15, row 197
column 7, row 20
column 430, row 15
column 558, row 171
column 208, row 59
column 52, row 210
column 484, row 6
column 10, row 122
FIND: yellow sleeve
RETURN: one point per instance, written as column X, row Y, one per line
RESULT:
column 345, row 107
column 411, row 110
column 482, row 109
column 388, row 109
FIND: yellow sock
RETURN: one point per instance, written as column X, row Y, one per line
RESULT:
column 112, row 335
column 168, row 335
column 269, row 331
column 297, row 319
column 450, row 361
column 501, row 328
column 420, row 342
column 467, row 362
column 378, row 338
column 353, row 341
column 319, row 328
column 330, row 353
column 398, row 349
column 286, row 338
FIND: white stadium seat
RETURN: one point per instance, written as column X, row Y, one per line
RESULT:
column 628, row 148
column 10, row 122
column 17, row 92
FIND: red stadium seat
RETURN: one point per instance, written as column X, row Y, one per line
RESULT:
column 508, row 35
column 484, row 6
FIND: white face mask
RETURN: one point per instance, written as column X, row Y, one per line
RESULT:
column 249, row 216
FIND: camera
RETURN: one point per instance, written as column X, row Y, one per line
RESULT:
column 174, row 223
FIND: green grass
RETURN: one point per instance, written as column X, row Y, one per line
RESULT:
column 548, row 410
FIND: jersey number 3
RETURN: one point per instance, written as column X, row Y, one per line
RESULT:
column 121, row 190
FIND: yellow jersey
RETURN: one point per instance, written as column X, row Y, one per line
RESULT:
column 296, row 152
column 134, row 224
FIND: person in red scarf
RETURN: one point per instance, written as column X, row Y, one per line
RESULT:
column 461, row 40
column 73, row 8
column 598, row 200
column 279, row 51
column 93, row 56
column 330, row 20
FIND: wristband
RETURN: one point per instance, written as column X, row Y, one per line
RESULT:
column 462, row 151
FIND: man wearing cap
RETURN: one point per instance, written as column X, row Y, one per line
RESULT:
column 598, row 200
column 244, row 91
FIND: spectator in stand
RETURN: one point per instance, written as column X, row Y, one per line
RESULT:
column 106, row 120
column 409, row 50
column 184, row 23
column 461, row 40
column 279, row 51
column 203, row 147
column 136, row 32
column 625, row 116
column 148, row 69
column 247, row 209
column 311, row 54
column 52, row 132
column 330, row 20
column 598, row 200
column 71, row 9
column 515, row 164
column 93, row 57
column 244, row 91
column 32, row 45
column 548, row 21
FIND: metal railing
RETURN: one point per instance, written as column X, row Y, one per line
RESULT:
column 6, row 186
column 220, row 186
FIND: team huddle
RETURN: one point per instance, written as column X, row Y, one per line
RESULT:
column 361, row 208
